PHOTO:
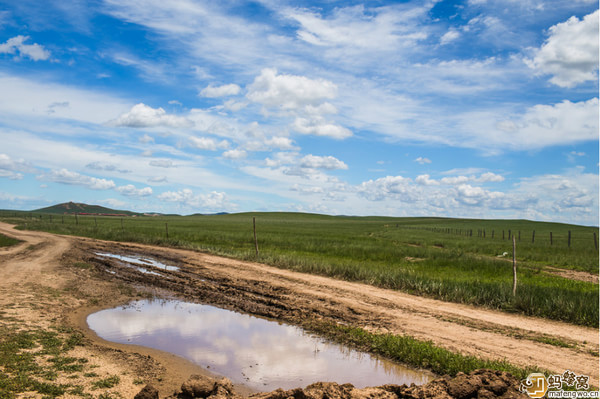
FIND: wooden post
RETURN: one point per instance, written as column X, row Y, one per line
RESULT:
column 255, row 240
column 509, row 234
column 569, row 240
column 550, row 238
column 533, row 237
column 514, row 266
column 167, row 229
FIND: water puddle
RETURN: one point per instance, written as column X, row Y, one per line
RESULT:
column 262, row 354
column 135, row 260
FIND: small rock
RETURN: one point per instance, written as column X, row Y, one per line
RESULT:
column 148, row 392
column 198, row 386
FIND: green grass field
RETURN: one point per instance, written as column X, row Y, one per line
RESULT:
column 449, row 259
column 7, row 241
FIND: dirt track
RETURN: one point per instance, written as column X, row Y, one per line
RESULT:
column 294, row 297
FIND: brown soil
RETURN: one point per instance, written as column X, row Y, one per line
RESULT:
column 50, row 262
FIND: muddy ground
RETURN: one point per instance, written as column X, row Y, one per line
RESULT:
column 53, row 279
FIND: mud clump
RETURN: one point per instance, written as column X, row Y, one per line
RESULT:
column 479, row 384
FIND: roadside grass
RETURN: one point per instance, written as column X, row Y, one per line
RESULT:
column 447, row 259
column 34, row 360
column 416, row 353
column 7, row 241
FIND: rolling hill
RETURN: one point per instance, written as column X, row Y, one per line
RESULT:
column 79, row 208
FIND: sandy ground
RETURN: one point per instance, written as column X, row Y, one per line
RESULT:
column 44, row 262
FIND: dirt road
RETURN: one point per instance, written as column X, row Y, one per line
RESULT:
column 293, row 297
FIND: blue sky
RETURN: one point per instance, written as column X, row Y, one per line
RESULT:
column 473, row 108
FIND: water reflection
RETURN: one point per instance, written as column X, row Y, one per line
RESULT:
column 131, row 260
column 262, row 354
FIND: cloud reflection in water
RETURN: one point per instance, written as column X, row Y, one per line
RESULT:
column 262, row 354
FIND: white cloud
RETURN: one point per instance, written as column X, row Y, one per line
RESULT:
column 570, row 54
column 546, row 125
column 397, row 187
column 208, row 144
column 383, row 28
column 289, row 92
column 11, row 168
column 220, row 91
column 162, row 163
column 142, row 115
column 65, row 176
column 282, row 143
column 131, row 191
column 449, row 36
column 16, row 44
column 426, row 181
column 235, row 154
column 213, row 201
column 320, row 127
column 146, row 139
column 318, row 162
column 422, row 160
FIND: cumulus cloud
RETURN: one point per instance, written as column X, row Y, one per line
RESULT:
column 220, row 91
column 318, row 162
column 396, row 187
column 235, row 154
column 289, row 92
column 16, row 45
column 426, row 181
column 320, row 127
column 570, row 54
column 142, row 115
column 208, row 144
column 131, row 191
column 213, row 201
column 65, row 176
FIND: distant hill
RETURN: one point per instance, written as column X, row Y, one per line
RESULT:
column 72, row 208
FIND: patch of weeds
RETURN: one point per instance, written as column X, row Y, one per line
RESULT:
column 90, row 375
column 82, row 265
column 139, row 381
column 94, row 301
column 75, row 339
column 107, row 382
column 66, row 363
column 553, row 342
column 108, row 395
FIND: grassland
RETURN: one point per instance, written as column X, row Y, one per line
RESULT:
column 7, row 241
column 458, row 260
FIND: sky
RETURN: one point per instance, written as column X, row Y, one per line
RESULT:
column 472, row 108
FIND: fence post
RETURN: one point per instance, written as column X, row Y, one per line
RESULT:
column 255, row 240
column 569, row 240
column 550, row 238
column 533, row 237
column 514, row 266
